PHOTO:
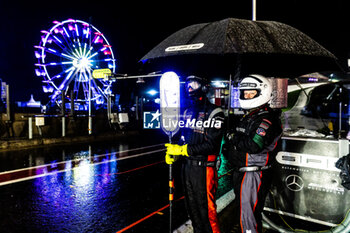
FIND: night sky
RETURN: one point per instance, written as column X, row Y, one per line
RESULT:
column 133, row 28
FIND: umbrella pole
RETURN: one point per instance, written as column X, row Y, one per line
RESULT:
column 254, row 10
column 229, row 102
column 171, row 193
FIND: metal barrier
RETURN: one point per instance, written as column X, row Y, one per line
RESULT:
column 40, row 121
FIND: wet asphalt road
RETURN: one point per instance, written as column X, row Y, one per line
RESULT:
column 105, row 187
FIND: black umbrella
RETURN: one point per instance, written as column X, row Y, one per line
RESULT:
column 238, row 46
column 222, row 47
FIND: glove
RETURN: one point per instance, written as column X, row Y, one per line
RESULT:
column 170, row 159
column 174, row 149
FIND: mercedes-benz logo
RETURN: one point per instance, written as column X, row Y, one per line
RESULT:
column 294, row 183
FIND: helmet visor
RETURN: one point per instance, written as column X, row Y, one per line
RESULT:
column 192, row 85
column 246, row 94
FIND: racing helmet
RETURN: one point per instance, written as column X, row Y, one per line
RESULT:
column 262, row 86
column 196, row 86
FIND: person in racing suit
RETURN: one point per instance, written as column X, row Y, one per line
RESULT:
column 201, row 146
column 252, row 150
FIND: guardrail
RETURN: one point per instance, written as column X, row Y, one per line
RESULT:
column 40, row 121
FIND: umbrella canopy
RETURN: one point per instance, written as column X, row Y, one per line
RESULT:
column 265, row 47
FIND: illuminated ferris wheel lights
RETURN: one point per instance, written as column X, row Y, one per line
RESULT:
column 83, row 64
column 47, row 89
column 70, row 69
column 85, row 48
column 45, row 40
column 39, row 73
column 67, row 54
column 76, row 29
column 86, row 32
column 97, row 39
column 54, row 77
column 37, row 54
column 75, row 53
column 64, row 29
column 51, row 50
column 57, row 39
column 66, row 79
column 70, row 27
column 93, row 55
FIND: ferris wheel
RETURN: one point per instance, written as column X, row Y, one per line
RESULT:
column 67, row 54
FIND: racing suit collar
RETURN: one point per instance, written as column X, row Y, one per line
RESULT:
column 255, row 110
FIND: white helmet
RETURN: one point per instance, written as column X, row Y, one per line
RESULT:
column 259, row 83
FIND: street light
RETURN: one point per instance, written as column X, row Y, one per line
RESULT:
column 152, row 92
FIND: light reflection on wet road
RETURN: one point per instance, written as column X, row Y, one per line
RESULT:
column 18, row 175
column 105, row 188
